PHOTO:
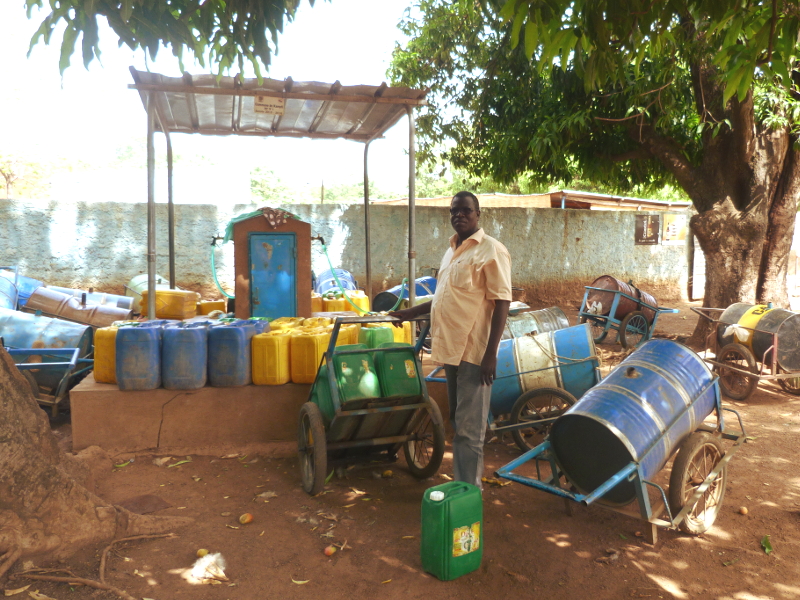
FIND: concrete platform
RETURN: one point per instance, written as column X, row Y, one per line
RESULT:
column 210, row 420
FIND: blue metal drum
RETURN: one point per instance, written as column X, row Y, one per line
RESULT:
column 506, row 387
column 425, row 286
column 25, row 330
column 184, row 356
column 25, row 285
column 573, row 345
column 641, row 412
column 326, row 281
column 8, row 294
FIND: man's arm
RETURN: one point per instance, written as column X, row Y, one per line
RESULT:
column 489, row 362
column 409, row 313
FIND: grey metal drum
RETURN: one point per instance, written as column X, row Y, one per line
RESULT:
column 641, row 412
column 56, row 304
column 535, row 321
column 781, row 326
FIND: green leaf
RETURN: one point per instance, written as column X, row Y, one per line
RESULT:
column 329, row 477
column 509, row 10
column 766, row 545
column 67, row 47
column 531, row 38
column 732, row 85
column 515, row 28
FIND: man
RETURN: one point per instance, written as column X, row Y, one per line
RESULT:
column 468, row 314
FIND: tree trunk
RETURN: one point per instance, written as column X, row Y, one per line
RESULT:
column 45, row 510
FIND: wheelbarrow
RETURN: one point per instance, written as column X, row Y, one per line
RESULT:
column 608, row 448
column 344, row 422
column 633, row 314
column 753, row 343
column 64, row 367
column 538, row 378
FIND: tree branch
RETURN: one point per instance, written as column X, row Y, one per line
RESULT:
column 670, row 154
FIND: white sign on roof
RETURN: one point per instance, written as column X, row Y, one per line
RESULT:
column 270, row 106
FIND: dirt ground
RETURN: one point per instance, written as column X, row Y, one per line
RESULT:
column 532, row 548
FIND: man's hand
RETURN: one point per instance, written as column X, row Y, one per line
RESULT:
column 401, row 316
column 488, row 367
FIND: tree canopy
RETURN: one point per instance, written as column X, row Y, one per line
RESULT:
column 564, row 89
column 631, row 94
column 225, row 32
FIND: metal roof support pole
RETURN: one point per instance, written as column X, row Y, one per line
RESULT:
column 170, row 214
column 366, row 224
column 412, row 182
column 151, row 208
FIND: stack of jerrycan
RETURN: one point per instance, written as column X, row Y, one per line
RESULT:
column 51, row 303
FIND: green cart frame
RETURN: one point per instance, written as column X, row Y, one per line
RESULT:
column 366, row 430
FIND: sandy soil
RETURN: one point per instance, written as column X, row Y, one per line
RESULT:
column 533, row 548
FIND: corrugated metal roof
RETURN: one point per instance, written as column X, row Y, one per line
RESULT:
column 202, row 104
column 572, row 199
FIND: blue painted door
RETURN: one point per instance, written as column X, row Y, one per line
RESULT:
column 273, row 274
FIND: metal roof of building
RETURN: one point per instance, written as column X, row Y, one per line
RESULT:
column 557, row 199
column 282, row 108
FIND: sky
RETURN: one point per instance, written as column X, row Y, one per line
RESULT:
column 90, row 115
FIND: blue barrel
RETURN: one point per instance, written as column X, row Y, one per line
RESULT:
column 573, row 345
column 25, row 285
column 229, row 355
column 139, row 358
column 326, row 281
column 8, row 294
column 184, row 356
column 424, row 286
column 25, row 330
column 641, row 412
column 506, row 387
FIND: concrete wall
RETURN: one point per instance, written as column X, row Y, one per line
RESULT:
column 554, row 252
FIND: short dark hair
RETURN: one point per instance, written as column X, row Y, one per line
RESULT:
column 469, row 195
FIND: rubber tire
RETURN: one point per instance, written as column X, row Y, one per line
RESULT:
column 787, row 387
column 595, row 326
column 695, row 444
column 312, row 453
column 639, row 323
column 429, row 423
column 33, row 383
column 522, row 402
column 751, row 382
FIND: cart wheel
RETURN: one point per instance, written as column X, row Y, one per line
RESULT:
column 698, row 456
column 633, row 330
column 735, row 385
column 425, row 451
column 791, row 385
column 535, row 405
column 597, row 326
column 33, row 383
column 311, row 448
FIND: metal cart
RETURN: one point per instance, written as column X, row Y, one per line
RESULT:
column 528, row 414
column 335, row 430
column 632, row 329
column 696, row 484
column 737, row 365
column 64, row 366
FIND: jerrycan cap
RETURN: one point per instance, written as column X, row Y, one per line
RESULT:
column 437, row 496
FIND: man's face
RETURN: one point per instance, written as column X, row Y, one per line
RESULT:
column 463, row 216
